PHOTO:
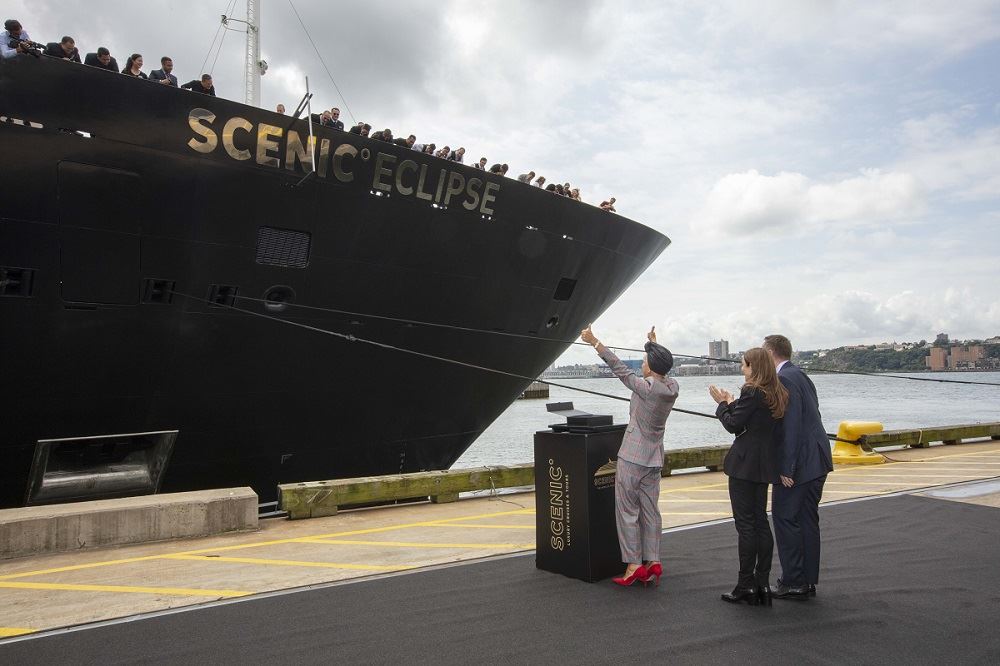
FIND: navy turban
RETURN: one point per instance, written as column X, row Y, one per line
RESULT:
column 659, row 358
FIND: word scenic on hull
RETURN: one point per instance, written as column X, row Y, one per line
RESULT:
column 266, row 144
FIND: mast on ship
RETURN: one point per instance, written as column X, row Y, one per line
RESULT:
column 253, row 67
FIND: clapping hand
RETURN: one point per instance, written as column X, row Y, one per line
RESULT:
column 720, row 395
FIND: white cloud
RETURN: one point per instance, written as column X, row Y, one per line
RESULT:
column 753, row 203
column 822, row 321
column 949, row 154
column 944, row 27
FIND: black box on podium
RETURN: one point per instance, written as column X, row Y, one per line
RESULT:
column 575, row 529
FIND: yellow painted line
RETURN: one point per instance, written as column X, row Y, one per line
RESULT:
column 706, row 486
column 930, row 475
column 370, row 530
column 176, row 591
column 934, row 458
column 970, row 454
column 957, row 464
column 292, row 563
column 7, row 632
column 693, row 501
column 415, row 544
column 965, row 467
column 695, row 513
column 484, row 526
column 76, row 567
column 886, row 484
column 257, row 544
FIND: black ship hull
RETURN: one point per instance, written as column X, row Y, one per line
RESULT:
column 132, row 215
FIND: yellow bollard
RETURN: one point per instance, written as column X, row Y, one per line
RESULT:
column 853, row 454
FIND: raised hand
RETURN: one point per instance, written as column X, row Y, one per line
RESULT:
column 651, row 336
column 588, row 336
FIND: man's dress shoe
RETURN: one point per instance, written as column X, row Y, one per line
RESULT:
column 783, row 591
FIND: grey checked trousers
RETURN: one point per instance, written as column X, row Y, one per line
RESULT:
column 637, row 512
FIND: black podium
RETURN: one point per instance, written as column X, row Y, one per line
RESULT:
column 575, row 529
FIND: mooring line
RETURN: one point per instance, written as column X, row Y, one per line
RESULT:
column 353, row 338
column 469, row 329
column 382, row 345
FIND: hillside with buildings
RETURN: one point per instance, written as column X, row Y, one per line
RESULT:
column 940, row 356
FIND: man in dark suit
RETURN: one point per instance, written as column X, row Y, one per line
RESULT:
column 163, row 75
column 65, row 49
column 806, row 459
column 204, row 86
column 103, row 60
column 336, row 123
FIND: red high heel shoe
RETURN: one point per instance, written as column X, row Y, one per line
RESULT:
column 640, row 574
column 655, row 569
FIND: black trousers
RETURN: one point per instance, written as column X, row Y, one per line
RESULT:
column 756, row 545
column 796, row 524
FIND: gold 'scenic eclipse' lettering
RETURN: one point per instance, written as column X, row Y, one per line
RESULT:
column 210, row 139
column 271, row 146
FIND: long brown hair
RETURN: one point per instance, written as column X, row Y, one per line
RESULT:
column 764, row 378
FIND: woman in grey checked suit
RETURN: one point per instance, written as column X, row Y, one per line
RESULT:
column 640, row 458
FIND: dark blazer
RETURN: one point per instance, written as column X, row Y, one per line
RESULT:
column 55, row 50
column 806, row 451
column 160, row 75
column 195, row 86
column 92, row 60
column 756, row 451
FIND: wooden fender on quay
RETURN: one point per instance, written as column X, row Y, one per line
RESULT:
column 845, row 453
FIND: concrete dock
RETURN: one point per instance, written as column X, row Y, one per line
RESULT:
column 48, row 592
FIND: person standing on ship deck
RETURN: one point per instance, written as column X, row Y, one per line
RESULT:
column 640, row 458
column 133, row 66
column 163, row 75
column 203, row 86
column 12, row 30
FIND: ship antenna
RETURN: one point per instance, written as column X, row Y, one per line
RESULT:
column 254, row 67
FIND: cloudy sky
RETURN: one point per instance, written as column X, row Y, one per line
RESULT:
column 830, row 170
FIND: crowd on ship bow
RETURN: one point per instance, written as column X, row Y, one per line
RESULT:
column 15, row 40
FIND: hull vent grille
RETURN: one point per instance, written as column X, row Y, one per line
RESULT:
column 564, row 290
column 16, row 281
column 283, row 247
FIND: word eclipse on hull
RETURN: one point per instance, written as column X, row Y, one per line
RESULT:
column 273, row 146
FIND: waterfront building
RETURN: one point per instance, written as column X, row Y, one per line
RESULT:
column 718, row 349
column 957, row 357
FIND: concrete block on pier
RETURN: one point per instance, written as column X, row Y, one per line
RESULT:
column 314, row 499
column 64, row 527
column 711, row 457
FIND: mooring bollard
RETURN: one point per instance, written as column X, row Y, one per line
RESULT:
column 846, row 453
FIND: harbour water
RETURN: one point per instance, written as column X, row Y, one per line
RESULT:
column 896, row 403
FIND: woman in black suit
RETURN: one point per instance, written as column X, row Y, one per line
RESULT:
column 752, row 465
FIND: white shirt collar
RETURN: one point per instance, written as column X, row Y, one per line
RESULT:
column 780, row 365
